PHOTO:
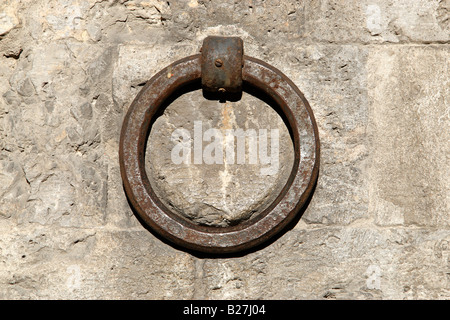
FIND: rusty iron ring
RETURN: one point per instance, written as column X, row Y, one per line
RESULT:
column 136, row 126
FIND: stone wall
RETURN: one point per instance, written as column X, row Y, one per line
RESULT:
column 376, row 74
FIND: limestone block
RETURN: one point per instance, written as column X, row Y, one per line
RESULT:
column 326, row 263
column 212, row 185
column 333, row 79
column 377, row 21
column 43, row 262
column 409, row 132
column 8, row 17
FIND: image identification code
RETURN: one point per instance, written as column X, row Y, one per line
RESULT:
column 231, row 309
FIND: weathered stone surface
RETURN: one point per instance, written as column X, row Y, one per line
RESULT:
column 42, row 262
column 333, row 78
column 409, row 92
column 206, row 193
column 8, row 17
column 375, row 74
column 378, row 21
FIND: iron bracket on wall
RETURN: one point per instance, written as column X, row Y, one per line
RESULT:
column 221, row 67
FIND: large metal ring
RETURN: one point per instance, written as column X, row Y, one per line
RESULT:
column 136, row 126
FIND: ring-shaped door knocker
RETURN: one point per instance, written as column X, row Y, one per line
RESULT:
column 221, row 67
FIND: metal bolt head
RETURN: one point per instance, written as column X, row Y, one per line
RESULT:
column 218, row 63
